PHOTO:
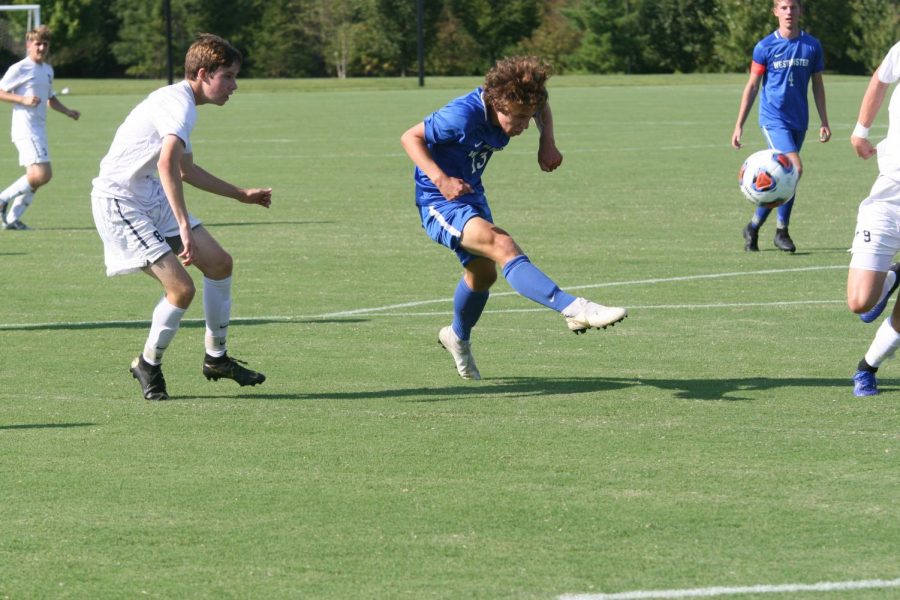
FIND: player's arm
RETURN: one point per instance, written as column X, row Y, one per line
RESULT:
column 413, row 141
column 818, row 89
column 549, row 156
column 868, row 110
column 202, row 179
column 17, row 99
column 747, row 99
column 169, row 167
column 58, row 106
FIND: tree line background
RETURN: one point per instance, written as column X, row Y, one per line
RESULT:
column 367, row 38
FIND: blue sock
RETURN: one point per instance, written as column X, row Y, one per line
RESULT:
column 467, row 308
column 531, row 282
column 759, row 217
column 784, row 213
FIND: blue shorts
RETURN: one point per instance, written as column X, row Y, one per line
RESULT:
column 444, row 222
column 786, row 140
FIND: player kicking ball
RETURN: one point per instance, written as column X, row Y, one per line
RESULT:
column 451, row 149
column 143, row 220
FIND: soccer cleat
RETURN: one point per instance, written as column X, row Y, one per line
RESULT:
column 461, row 350
column 864, row 384
column 16, row 226
column 783, row 241
column 751, row 239
column 225, row 367
column 875, row 311
column 153, row 384
column 587, row 315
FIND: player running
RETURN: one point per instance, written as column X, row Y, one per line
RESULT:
column 872, row 278
column 784, row 62
column 144, row 223
column 28, row 85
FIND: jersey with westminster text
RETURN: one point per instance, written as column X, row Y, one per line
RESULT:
column 786, row 66
column 461, row 139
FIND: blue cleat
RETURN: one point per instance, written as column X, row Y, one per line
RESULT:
column 875, row 312
column 864, row 384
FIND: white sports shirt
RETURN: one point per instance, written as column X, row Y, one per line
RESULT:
column 889, row 147
column 128, row 170
column 28, row 78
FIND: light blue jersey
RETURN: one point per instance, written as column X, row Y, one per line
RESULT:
column 461, row 139
column 786, row 66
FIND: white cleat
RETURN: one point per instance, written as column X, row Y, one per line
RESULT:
column 461, row 351
column 587, row 315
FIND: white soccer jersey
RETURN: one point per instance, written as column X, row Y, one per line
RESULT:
column 889, row 147
column 28, row 78
column 128, row 170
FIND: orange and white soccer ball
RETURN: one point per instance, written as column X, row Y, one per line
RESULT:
column 768, row 178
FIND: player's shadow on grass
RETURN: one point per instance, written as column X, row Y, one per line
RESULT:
column 728, row 390
column 189, row 324
column 44, row 426
column 207, row 225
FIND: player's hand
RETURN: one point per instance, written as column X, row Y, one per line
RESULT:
column 864, row 148
column 736, row 138
column 73, row 114
column 187, row 239
column 549, row 157
column 30, row 101
column 824, row 133
column 261, row 196
column 452, row 187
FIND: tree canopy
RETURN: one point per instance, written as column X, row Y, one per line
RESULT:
column 341, row 38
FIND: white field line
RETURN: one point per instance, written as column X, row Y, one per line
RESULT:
column 395, row 310
column 710, row 592
column 361, row 311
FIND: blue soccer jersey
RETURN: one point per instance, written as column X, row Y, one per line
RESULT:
column 461, row 139
column 786, row 66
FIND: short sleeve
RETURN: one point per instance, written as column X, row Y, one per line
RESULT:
column 889, row 71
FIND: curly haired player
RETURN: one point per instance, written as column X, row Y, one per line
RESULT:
column 451, row 149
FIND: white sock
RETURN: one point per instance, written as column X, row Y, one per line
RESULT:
column 19, row 186
column 19, row 206
column 889, row 279
column 166, row 320
column 217, row 307
column 886, row 342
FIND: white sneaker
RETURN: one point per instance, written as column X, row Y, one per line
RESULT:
column 586, row 315
column 461, row 351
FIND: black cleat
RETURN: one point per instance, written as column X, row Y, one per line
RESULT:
column 225, row 367
column 751, row 238
column 153, row 384
column 783, row 241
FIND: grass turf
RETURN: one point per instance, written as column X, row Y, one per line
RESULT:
column 709, row 440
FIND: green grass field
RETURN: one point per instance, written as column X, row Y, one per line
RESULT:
column 712, row 439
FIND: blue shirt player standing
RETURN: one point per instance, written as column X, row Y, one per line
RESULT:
column 784, row 62
column 451, row 148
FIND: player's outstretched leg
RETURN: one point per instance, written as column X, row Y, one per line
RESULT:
column 153, row 384
column 461, row 350
column 583, row 314
column 225, row 367
column 891, row 282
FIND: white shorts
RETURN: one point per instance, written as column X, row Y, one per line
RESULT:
column 32, row 150
column 877, row 238
column 134, row 231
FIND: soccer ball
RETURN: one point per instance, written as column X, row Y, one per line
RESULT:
column 768, row 178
